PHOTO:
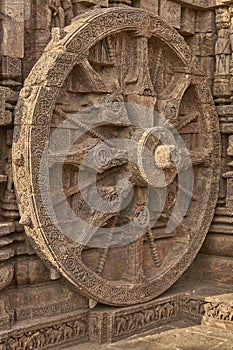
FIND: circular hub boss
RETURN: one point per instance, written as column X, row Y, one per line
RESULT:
column 116, row 155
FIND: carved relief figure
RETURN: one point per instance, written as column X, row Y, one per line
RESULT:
column 223, row 52
column 57, row 13
column 68, row 11
column 138, row 320
column 46, row 336
column 9, row 208
column 121, row 323
column 61, row 12
column 231, row 44
column 149, row 316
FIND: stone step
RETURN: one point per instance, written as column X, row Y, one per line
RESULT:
column 218, row 244
column 172, row 338
column 221, row 228
column 6, row 227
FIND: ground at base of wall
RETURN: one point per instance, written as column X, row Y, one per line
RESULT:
column 178, row 336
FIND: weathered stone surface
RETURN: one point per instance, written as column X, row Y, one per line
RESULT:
column 150, row 5
column 6, row 253
column 208, row 64
column 71, row 329
column 218, row 312
column 202, row 4
column 12, row 27
column 42, row 19
column 202, row 44
column 205, row 21
column 11, row 67
column 178, row 335
column 219, row 245
column 187, row 21
column 32, row 303
column 6, row 275
column 31, row 271
column 212, row 268
column 24, row 249
column 6, row 228
column 171, row 11
column 5, row 115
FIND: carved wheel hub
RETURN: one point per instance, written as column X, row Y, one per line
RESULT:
column 116, row 155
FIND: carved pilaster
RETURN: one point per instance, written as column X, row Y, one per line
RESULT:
column 229, row 176
column 6, row 252
column 217, row 243
column 9, row 208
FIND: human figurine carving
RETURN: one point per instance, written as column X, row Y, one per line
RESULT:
column 57, row 13
column 223, row 52
column 68, row 11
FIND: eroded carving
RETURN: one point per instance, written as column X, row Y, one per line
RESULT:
column 221, row 311
column 5, row 115
column 73, row 330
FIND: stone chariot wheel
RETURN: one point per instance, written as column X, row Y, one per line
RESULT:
column 116, row 155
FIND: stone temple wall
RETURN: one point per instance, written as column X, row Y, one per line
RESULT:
column 32, row 294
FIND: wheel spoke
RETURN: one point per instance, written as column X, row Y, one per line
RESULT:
column 168, row 103
column 187, row 120
column 104, row 251
column 153, row 249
